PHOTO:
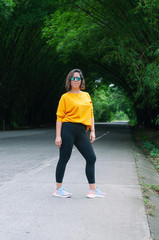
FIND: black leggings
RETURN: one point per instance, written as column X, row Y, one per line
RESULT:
column 75, row 134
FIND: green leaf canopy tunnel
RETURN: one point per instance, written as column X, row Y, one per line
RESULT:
column 40, row 42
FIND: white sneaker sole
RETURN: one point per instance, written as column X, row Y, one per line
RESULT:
column 96, row 196
column 57, row 195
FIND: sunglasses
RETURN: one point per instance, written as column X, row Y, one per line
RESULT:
column 73, row 78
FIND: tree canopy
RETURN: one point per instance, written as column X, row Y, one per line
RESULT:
column 120, row 38
column 117, row 41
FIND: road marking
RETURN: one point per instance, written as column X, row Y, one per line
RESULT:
column 102, row 135
column 38, row 167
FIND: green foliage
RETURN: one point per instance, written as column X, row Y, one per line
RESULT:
column 155, row 187
column 148, row 145
column 107, row 106
column 149, row 206
column 102, row 111
column 119, row 116
column 29, row 86
column 68, row 31
column 117, row 41
column 146, row 201
column 154, row 153
column 6, row 9
column 119, row 36
column 157, row 120
column 147, row 187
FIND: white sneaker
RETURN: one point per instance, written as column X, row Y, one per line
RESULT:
column 96, row 193
column 61, row 192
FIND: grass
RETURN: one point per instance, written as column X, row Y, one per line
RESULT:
column 150, row 148
column 146, row 199
column 147, row 187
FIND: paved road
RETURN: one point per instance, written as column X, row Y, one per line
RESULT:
column 29, row 211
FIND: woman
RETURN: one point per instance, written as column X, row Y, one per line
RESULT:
column 74, row 118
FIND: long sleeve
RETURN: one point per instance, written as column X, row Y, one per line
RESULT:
column 61, row 110
column 92, row 114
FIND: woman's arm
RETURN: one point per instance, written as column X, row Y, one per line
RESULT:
column 58, row 140
column 92, row 125
column 92, row 133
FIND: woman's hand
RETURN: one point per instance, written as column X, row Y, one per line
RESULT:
column 92, row 136
column 58, row 141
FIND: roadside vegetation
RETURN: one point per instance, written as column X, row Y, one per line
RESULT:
column 149, row 207
column 150, row 148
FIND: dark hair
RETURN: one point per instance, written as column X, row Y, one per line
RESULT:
column 70, row 75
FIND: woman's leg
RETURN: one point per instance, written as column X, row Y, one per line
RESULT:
column 65, row 152
column 85, row 148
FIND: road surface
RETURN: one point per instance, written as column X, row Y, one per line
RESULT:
column 28, row 211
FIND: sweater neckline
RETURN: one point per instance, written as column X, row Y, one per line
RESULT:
column 75, row 93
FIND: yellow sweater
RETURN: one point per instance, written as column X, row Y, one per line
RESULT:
column 75, row 108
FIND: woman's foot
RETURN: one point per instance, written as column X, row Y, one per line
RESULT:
column 61, row 192
column 95, row 193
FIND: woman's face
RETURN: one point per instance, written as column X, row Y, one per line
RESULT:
column 76, row 84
